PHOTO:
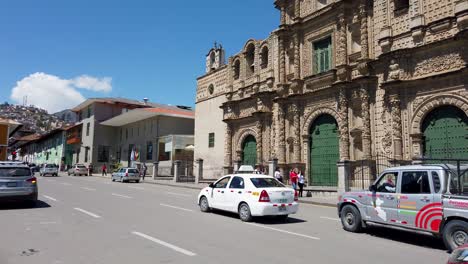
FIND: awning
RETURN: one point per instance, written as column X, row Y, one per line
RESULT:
column 145, row 113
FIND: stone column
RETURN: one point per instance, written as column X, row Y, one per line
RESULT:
column 417, row 142
column 297, row 56
column 364, row 32
column 305, row 149
column 177, row 171
column 366, row 130
column 342, row 45
column 237, row 165
column 155, row 169
column 396, row 127
column 200, row 171
column 283, row 15
column 259, row 128
column 272, row 165
column 344, row 128
column 344, row 172
column 297, row 132
column 228, row 146
column 282, row 60
column 281, row 136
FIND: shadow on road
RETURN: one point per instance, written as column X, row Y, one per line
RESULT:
column 406, row 237
column 266, row 220
column 16, row 205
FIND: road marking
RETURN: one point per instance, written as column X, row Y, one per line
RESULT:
column 137, row 188
column 120, row 195
column 284, row 231
column 176, row 207
column 330, row 218
column 86, row 212
column 47, row 223
column 50, row 198
column 178, row 194
column 65, row 183
column 88, row 189
column 49, row 180
column 162, row 243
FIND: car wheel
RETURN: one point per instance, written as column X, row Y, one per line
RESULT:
column 121, row 179
column 137, row 181
column 351, row 219
column 455, row 234
column 244, row 213
column 113, row 179
column 282, row 218
column 204, row 205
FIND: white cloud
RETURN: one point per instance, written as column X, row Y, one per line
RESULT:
column 55, row 94
column 93, row 84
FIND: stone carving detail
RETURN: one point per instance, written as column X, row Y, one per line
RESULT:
column 229, row 112
column 295, row 112
column 437, row 64
column 228, row 150
column 342, row 41
column 281, row 136
column 297, row 55
column 247, row 109
column 344, row 129
column 366, row 133
column 259, row 128
column 396, row 126
column 364, row 34
column 394, row 70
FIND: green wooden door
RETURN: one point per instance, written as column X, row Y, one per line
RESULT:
column 446, row 133
column 249, row 151
column 324, row 152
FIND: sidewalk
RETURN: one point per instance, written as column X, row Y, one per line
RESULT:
column 329, row 201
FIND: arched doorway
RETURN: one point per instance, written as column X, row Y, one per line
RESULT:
column 445, row 131
column 324, row 151
column 249, row 151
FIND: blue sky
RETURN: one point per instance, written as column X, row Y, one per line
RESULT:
column 132, row 48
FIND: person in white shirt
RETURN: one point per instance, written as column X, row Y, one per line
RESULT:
column 301, row 183
column 278, row 175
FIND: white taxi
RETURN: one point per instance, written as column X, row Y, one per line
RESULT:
column 249, row 195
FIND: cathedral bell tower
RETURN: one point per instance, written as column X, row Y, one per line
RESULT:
column 215, row 58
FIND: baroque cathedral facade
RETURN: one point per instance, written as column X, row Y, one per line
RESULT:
column 339, row 81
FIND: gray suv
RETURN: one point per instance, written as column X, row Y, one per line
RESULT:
column 427, row 198
column 17, row 182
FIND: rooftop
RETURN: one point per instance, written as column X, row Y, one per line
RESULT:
column 145, row 113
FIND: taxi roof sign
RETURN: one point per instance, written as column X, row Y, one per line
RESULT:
column 246, row 169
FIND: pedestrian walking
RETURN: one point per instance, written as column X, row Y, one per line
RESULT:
column 301, row 182
column 293, row 178
column 104, row 170
column 278, row 176
column 144, row 171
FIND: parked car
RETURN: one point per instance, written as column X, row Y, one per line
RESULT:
column 34, row 168
column 17, row 183
column 428, row 198
column 49, row 169
column 249, row 195
column 459, row 255
column 78, row 169
column 126, row 175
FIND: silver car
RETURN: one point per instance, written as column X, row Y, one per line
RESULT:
column 78, row 169
column 126, row 175
column 49, row 169
column 17, row 182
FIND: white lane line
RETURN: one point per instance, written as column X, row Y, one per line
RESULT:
column 86, row 212
column 47, row 223
column 137, row 188
column 88, row 189
column 162, row 243
column 50, row 198
column 284, row 231
column 176, row 207
column 330, row 218
column 120, row 195
column 65, row 183
column 178, row 194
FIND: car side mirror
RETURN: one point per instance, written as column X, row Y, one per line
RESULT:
column 372, row 188
column 211, row 185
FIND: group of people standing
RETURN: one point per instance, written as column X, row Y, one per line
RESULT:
column 296, row 177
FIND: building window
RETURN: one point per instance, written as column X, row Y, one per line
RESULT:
column 236, row 69
column 103, row 153
column 211, row 140
column 211, row 89
column 87, row 129
column 401, row 4
column 322, row 55
column 149, row 150
column 264, row 58
column 89, row 112
column 86, row 155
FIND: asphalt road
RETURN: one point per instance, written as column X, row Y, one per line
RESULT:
column 93, row 220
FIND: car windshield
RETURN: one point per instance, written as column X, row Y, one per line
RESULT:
column 50, row 166
column 81, row 167
column 132, row 171
column 266, row 183
column 14, row 172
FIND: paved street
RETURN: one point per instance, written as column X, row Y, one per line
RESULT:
column 93, row 220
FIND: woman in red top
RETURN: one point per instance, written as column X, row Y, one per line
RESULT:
column 293, row 177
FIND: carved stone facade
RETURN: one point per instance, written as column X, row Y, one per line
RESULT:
column 388, row 70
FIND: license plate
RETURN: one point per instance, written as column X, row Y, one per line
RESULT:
column 282, row 208
column 282, row 200
column 11, row 184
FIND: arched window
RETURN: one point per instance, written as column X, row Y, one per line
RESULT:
column 264, row 58
column 236, row 69
column 250, row 59
column 211, row 89
column 212, row 60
